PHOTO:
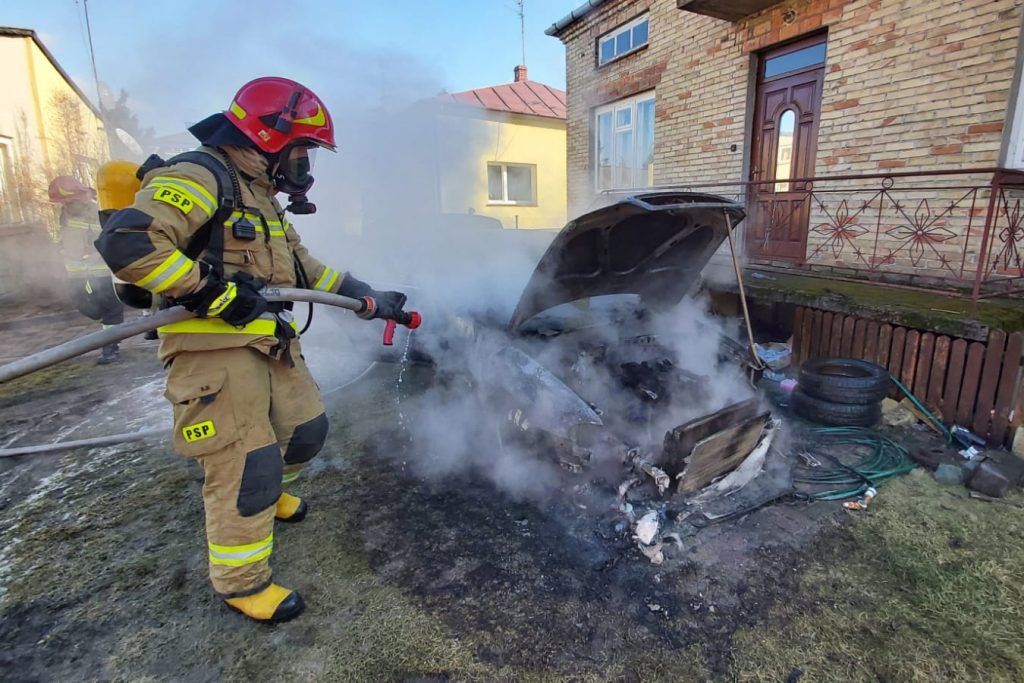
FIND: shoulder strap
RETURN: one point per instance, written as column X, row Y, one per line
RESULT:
column 207, row 238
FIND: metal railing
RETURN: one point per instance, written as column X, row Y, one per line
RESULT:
column 960, row 231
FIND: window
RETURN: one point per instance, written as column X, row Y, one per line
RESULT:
column 9, row 209
column 1014, row 153
column 784, row 153
column 623, row 40
column 511, row 184
column 625, row 143
column 795, row 61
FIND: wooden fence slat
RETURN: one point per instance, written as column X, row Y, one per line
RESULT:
column 871, row 342
column 922, row 374
column 860, row 331
column 972, row 378
column 989, row 382
column 836, row 340
column 816, row 318
column 1017, row 413
column 805, row 351
column 798, row 323
column 884, row 345
column 846, row 343
column 938, row 379
column 826, row 335
column 909, row 364
column 803, row 348
column 1009, row 381
column 899, row 340
column 954, row 379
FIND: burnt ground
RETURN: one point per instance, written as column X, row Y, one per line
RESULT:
column 102, row 562
column 552, row 597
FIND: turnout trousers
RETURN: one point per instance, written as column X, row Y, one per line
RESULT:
column 252, row 422
column 95, row 298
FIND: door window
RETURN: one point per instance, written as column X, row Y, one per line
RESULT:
column 784, row 153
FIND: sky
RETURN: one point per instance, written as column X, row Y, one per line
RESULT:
column 183, row 60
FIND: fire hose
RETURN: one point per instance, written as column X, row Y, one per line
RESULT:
column 91, row 342
column 116, row 333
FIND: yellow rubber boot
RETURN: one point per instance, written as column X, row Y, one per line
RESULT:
column 290, row 509
column 272, row 604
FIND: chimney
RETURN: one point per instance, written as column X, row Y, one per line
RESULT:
column 520, row 72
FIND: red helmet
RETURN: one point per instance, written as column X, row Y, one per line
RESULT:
column 273, row 112
column 65, row 188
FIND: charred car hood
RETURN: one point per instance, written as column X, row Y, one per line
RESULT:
column 653, row 244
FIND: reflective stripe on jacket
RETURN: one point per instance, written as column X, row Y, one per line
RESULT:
column 79, row 227
column 144, row 244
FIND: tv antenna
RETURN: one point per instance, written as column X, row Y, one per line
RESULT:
column 521, row 11
column 92, row 55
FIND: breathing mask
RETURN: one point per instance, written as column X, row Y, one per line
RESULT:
column 293, row 175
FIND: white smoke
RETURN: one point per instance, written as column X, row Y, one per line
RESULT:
column 379, row 218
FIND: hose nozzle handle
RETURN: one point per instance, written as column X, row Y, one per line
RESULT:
column 412, row 320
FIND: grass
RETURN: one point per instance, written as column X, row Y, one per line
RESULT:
column 927, row 586
column 108, row 564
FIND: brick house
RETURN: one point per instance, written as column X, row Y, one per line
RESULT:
column 747, row 94
column 873, row 142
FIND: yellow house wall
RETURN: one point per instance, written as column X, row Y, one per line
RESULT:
column 50, row 83
column 18, row 99
column 29, row 82
column 479, row 137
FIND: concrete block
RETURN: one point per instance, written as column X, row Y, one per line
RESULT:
column 1018, row 443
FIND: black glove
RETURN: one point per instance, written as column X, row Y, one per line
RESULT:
column 237, row 301
column 386, row 305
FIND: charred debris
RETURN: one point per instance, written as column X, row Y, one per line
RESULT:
column 659, row 430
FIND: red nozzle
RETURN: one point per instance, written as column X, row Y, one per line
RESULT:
column 412, row 320
column 389, row 332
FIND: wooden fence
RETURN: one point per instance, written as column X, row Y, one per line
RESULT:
column 977, row 385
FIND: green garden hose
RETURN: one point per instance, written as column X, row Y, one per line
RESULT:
column 924, row 410
column 879, row 459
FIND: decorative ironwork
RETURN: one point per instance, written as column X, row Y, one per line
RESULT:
column 924, row 229
column 840, row 230
column 961, row 230
column 1011, row 235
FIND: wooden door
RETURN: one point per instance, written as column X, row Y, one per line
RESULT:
column 786, row 114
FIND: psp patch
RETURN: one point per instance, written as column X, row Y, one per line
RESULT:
column 175, row 199
column 200, row 431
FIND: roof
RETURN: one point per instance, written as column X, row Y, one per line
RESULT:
column 29, row 33
column 524, row 97
column 573, row 16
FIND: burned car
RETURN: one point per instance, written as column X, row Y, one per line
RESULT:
column 608, row 360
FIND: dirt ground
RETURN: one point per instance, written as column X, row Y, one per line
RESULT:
column 103, row 567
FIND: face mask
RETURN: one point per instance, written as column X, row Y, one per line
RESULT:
column 293, row 176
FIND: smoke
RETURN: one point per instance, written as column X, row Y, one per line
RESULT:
column 485, row 416
column 380, row 217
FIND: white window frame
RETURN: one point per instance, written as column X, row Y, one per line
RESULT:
column 614, row 34
column 1015, row 142
column 8, row 193
column 613, row 108
column 504, row 166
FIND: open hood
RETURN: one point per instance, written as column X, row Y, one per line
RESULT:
column 653, row 244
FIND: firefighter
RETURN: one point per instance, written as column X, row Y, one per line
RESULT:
column 245, row 405
column 117, row 183
column 87, row 275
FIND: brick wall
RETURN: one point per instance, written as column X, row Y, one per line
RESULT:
column 910, row 85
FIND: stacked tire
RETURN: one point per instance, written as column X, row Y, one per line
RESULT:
column 842, row 392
